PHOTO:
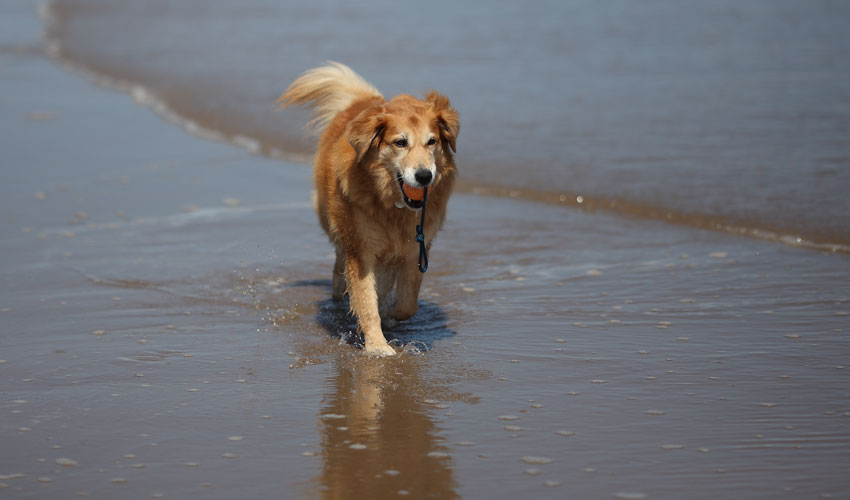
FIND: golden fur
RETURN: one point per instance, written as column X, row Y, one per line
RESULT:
column 369, row 147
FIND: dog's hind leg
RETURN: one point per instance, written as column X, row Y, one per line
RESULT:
column 338, row 279
column 385, row 280
column 363, row 300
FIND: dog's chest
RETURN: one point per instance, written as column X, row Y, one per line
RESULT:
column 390, row 237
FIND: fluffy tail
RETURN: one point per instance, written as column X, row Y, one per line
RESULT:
column 328, row 90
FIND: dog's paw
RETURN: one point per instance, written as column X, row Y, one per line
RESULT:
column 379, row 349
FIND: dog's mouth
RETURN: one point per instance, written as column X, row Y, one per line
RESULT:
column 413, row 197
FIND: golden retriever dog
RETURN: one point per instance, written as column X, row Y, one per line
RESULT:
column 375, row 160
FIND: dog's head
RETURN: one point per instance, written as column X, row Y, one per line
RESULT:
column 406, row 143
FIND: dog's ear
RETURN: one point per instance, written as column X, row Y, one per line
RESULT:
column 366, row 131
column 447, row 118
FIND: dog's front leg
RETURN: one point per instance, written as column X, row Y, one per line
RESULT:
column 363, row 299
column 408, row 282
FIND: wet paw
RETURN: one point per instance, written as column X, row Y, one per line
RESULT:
column 380, row 349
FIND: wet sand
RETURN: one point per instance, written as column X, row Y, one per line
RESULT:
column 166, row 332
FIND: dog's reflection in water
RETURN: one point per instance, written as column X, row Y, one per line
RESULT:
column 378, row 436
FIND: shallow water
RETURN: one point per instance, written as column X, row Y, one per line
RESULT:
column 166, row 331
column 713, row 115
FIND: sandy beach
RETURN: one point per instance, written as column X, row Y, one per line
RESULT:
column 166, row 331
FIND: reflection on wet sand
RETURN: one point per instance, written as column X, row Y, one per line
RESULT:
column 377, row 436
column 378, row 423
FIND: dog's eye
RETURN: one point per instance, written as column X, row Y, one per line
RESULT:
column 400, row 143
column 432, row 141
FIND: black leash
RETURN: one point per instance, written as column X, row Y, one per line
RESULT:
column 420, row 237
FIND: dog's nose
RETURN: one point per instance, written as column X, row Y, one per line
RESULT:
column 423, row 176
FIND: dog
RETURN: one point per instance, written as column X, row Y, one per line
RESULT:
column 374, row 161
